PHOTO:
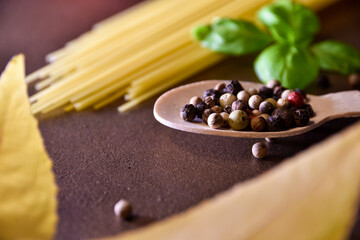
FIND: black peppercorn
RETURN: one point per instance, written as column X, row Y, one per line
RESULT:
column 258, row 123
column 265, row 92
column 303, row 93
column 275, row 123
column 354, row 81
column 227, row 109
column 308, row 109
column 233, row 87
column 286, row 115
column 200, row 108
column 301, row 117
column 323, row 82
column 211, row 101
column 212, row 92
column 277, row 92
column 266, row 107
column 239, row 105
column 206, row 114
column 188, row 112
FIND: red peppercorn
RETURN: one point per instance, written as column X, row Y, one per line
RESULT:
column 296, row 99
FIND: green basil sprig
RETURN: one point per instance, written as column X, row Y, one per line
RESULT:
column 229, row 36
column 290, row 59
column 289, row 22
column 295, row 66
column 337, row 56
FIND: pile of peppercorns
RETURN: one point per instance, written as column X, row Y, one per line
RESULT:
column 270, row 108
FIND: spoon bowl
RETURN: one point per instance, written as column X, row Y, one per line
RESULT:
column 326, row 107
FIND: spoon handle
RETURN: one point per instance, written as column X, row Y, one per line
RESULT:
column 341, row 104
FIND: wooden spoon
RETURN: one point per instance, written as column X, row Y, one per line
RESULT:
column 326, row 107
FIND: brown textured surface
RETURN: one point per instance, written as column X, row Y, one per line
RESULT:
column 100, row 157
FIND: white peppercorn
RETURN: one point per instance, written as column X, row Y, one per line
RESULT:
column 220, row 86
column 254, row 101
column 253, row 91
column 227, row 99
column 195, row 100
column 238, row 120
column 123, row 209
column 243, row 95
column 225, row 117
column 215, row 120
column 259, row 150
column 273, row 83
column 285, row 93
column 282, row 103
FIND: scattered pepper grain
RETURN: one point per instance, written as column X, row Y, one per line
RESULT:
column 259, row 150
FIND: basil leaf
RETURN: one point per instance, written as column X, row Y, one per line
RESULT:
column 337, row 56
column 293, row 66
column 289, row 22
column 229, row 36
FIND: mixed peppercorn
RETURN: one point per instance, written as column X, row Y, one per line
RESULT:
column 271, row 108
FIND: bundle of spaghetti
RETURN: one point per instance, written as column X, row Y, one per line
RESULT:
column 137, row 54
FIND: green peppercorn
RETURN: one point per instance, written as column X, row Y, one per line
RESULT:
column 258, row 123
column 188, row 112
column 227, row 99
column 238, row 120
